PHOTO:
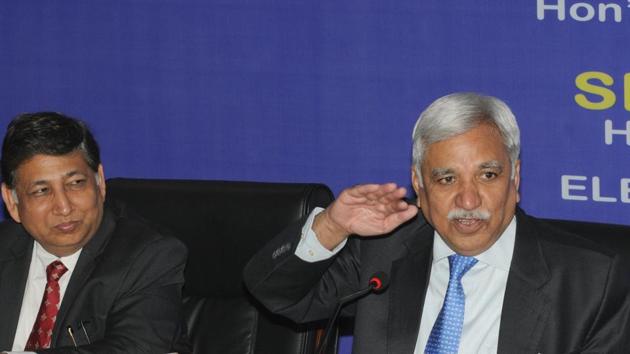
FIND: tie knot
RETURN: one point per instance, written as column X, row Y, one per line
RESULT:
column 459, row 265
column 55, row 270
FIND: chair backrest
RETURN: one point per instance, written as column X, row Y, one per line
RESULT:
column 223, row 224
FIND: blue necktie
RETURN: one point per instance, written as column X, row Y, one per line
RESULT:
column 447, row 329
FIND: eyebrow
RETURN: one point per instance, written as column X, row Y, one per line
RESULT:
column 439, row 172
column 443, row 171
column 44, row 181
column 491, row 164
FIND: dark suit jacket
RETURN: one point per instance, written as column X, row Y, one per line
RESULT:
column 126, row 288
column 564, row 293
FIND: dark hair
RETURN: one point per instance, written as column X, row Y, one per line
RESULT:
column 46, row 133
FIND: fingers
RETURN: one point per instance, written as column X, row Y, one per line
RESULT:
column 373, row 194
column 369, row 209
column 411, row 212
column 396, row 219
column 369, row 191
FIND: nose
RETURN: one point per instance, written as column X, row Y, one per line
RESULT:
column 468, row 197
column 62, row 204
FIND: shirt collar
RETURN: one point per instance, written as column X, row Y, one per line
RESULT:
column 499, row 255
column 45, row 257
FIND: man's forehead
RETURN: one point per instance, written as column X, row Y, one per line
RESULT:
column 485, row 130
column 483, row 136
column 42, row 168
column 49, row 178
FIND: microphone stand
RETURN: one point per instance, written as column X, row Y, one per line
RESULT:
column 378, row 282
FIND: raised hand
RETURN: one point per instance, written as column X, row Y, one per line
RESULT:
column 364, row 210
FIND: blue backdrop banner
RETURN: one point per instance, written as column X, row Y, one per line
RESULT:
column 328, row 91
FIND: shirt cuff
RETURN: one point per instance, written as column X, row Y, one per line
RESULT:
column 309, row 249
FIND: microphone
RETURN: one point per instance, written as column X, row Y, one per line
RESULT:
column 377, row 283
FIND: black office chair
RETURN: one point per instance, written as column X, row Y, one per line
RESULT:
column 224, row 224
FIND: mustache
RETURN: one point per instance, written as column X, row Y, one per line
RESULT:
column 468, row 214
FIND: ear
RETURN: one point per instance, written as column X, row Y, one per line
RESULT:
column 100, row 182
column 415, row 182
column 517, row 179
column 10, row 202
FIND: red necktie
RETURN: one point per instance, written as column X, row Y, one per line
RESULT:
column 41, row 334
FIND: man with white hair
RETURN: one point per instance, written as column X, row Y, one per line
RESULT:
column 472, row 273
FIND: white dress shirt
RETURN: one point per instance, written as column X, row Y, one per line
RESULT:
column 484, row 286
column 34, row 290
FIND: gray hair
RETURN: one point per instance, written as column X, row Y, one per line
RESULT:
column 458, row 113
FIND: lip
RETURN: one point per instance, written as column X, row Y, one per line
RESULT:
column 468, row 225
column 67, row 227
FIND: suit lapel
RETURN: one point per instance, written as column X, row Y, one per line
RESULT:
column 88, row 260
column 13, row 275
column 525, row 307
column 410, row 278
